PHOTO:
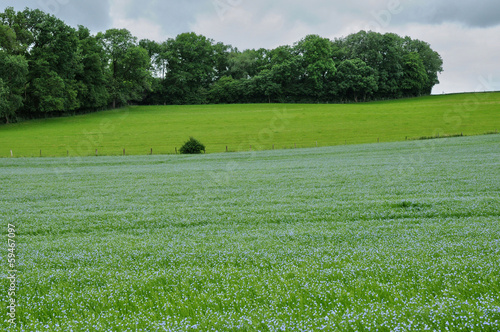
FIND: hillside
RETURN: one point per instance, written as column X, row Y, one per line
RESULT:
column 164, row 128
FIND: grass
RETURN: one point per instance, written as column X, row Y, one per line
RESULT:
column 239, row 127
column 391, row 236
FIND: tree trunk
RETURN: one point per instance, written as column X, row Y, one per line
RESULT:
column 6, row 119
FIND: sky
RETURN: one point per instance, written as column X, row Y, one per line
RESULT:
column 466, row 33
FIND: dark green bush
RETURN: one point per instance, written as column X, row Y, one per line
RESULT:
column 193, row 146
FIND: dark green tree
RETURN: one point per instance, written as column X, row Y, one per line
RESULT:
column 432, row 61
column 415, row 78
column 246, row 64
column 93, row 93
column 355, row 79
column 13, row 73
column 14, row 35
column 318, row 66
column 54, row 61
column 191, row 68
column 128, row 73
column 266, row 87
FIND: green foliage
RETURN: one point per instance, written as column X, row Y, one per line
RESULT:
column 316, row 56
column 415, row 77
column 93, row 93
column 355, row 79
column 191, row 68
column 394, row 60
column 13, row 72
column 192, row 146
column 48, row 89
column 88, row 73
column 128, row 67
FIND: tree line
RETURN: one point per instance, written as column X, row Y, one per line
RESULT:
column 49, row 68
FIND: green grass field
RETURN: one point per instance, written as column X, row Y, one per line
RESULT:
column 376, row 237
column 164, row 128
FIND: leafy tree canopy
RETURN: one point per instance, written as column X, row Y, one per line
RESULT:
column 49, row 68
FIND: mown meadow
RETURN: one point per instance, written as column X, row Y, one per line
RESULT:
column 144, row 130
column 376, row 237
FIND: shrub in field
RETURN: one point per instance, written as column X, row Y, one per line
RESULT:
column 193, row 146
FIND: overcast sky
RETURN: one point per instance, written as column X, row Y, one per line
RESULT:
column 465, row 33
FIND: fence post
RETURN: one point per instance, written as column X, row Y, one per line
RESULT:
column 40, row 152
column 96, row 152
column 123, row 151
column 151, row 151
column 378, row 139
column 11, row 154
column 316, row 143
column 226, row 148
column 273, row 146
column 175, row 150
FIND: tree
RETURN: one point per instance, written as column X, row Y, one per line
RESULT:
column 8, row 39
column 224, row 91
column 128, row 66
column 318, row 65
column 355, row 79
column 54, row 61
column 14, row 36
column 388, row 55
column 266, row 87
column 93, row 93
column 13, row 72
column 432, row 61
column 190, row 69
column 285, row 67
column 48, row 89
column 415, row 77
column 246, row 64
column 157, row 55
column 221, row 60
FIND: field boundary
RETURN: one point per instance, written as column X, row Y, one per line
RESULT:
column 123, row 152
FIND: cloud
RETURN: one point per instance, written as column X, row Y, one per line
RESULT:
column 172, row 17
column 267, row 30
column 479, row 13
column 269, row 24
column 94, row 14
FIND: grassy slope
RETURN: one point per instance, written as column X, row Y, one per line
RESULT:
column 138, row 129
column 394, row 236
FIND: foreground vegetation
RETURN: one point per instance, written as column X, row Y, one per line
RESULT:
column 394, row 236
column 165, row 128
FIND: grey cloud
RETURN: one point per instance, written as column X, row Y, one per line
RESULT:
column 94, row 14
column 173, row 16
column 479, row 13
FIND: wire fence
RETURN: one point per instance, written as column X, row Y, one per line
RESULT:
column 212, row 147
